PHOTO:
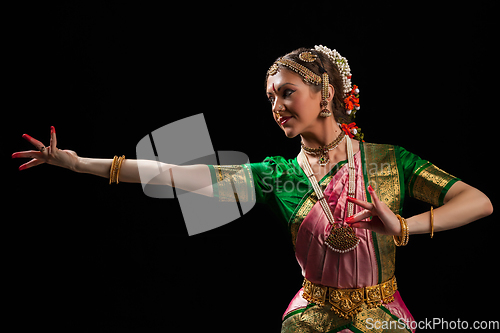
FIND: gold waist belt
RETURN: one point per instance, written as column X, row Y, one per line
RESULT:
column 347, row 302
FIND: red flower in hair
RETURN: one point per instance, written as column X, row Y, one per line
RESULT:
column 351, row 101
column 348, row 129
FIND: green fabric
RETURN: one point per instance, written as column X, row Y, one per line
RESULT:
column 315, row 319
column 423, row 180
column 282, row 185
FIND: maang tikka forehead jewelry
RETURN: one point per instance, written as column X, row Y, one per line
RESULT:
column 307, row 56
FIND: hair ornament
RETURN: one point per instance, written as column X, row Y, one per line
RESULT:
column 273, row 70
column 307, row 56
column 352, row 131
column 351, row 102
column 307, row 75
column 342, row 65
column 351, row 93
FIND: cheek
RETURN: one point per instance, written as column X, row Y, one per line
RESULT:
column 304, row 106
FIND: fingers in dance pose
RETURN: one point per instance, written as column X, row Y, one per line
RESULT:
column 50, row 155
column 383, row 220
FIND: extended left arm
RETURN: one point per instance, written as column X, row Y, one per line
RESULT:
column 462, row 204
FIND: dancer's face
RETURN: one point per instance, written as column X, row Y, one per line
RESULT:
column 295, row 105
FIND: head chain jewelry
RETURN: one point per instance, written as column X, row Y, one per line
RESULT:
column 308, row 75
column 324, row 89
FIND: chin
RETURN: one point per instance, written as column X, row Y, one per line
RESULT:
column 290, row 133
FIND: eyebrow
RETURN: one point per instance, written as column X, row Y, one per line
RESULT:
column 270, row 92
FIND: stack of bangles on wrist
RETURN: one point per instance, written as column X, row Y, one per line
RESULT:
column 114, row 172
column 405, row 233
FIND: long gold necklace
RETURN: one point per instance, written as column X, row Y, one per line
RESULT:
column 342, row 237
column 322, row 151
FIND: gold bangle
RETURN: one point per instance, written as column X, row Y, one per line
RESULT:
column 405, row 233
column 432, row 222
column 112, row 169
column 114, row 172
column 120, row 161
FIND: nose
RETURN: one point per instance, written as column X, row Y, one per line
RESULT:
column 277, row 108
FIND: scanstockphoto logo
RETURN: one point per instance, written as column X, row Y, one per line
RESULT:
column 187, row 142
column 432, row 324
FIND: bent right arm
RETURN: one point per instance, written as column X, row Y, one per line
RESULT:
column 193, row 178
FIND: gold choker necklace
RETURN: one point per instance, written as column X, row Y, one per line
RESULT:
column 323, row 150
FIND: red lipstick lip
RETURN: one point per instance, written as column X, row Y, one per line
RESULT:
column 283, row 120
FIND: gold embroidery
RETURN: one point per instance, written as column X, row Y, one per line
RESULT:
column 314, row 318
column 377, row 320
column 322, row 319
column 234, row 183
column 428, row 182
column 383, row 175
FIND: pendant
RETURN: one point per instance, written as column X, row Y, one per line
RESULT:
column 342, row 239
column 323, row 158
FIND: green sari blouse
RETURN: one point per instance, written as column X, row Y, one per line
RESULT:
column 281, row 184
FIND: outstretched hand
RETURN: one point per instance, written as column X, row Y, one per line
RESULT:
column 383, row 221
column 50, row 155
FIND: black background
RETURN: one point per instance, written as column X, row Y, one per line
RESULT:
column 81, row 255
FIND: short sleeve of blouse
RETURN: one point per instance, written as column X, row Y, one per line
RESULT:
column 262, row 181
column 244, row 182
column 423, row 180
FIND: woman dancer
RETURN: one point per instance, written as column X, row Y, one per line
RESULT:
column 342, row 197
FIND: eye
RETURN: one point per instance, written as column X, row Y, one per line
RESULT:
column 271, row 99
column 288, row 92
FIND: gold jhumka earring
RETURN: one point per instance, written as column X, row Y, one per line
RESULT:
column 308, row 56
column 324, row 95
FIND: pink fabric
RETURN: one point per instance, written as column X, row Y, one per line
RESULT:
column 399, row 309
column 354, row 269
column 321, row 265
column 297, row 302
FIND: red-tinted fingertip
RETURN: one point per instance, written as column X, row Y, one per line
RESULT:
column 22, row 167
column 370, row 188
column 26, row 136
column 349, row 219
column 52, row 129
column 15, row 155
column 350, row 199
